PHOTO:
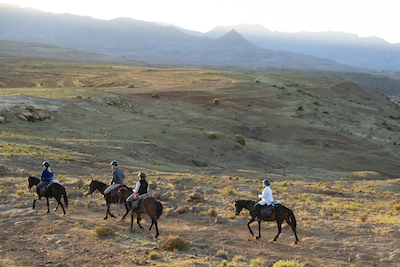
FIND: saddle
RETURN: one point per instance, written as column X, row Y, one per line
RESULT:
column 44, row 188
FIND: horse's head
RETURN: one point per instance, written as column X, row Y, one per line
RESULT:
column 32, row 180
column 238, row 207
column 92, row 187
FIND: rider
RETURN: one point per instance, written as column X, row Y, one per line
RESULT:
column 142, row 190
column 46, row 177
column 266, row 198
column 118, row 177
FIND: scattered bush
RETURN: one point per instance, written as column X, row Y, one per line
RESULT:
column 78, row 96
column 153, row 256
column 336, row 216
column 213, row 135
column 222, row 254
column 216, row 101
column 102, row 231
column 229, row 191
column 131, row 86
column 175, row 243
column 240, row 139
column 287, row 263
column 155, row 96
column 20, row 192
column 363, row 217
column 316, row 103
column 300, row 108
column 259, row 262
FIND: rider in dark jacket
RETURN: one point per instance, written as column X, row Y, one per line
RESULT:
column 46, row 177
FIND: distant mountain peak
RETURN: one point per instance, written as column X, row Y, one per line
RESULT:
column 232, row 36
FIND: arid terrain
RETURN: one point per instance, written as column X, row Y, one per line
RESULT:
column 330, row 149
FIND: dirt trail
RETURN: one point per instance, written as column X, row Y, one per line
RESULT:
column 34, row 238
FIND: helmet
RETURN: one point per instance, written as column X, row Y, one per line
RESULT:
column 114, row 162
column 266, row 182
column 46, row 163
column 142, row 175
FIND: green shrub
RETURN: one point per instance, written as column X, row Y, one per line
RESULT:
column 216, row 101
column 131, row 86
column 78, row 96
column 257, row 81
column 175, row 243
column 213, row 135
column 222, row 254
column 102, row 231
column 300, row 108
column 287, row 263
column 155, row 96
column 316, row 103
column 240, row 139
column 259, row 262
column 20, row 192
column 153, row 256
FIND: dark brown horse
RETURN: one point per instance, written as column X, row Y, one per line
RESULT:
column 149, row 206
column 110, row 198
column 53, row 190
column 279, row 214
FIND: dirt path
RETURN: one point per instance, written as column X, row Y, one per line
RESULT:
column 33, row 238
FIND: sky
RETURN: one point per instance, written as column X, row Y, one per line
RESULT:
column 365, row 18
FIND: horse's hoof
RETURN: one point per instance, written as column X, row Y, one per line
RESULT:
column 105, row 218
column 258, row 237
column 271, row 241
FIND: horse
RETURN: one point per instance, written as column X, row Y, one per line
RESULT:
column 110, row 198
column 53, row 190
column 279, row 214
column 149, row 206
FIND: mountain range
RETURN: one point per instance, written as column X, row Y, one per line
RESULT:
column 242, row 45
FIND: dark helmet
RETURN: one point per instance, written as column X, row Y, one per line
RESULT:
column 46, row 163
column 266, row 182
column 142, row 175
column 114, row 162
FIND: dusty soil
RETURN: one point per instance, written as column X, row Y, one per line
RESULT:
column 34, row 238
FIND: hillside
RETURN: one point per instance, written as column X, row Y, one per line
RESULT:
column 330, row 149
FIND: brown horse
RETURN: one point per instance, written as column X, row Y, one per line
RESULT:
column 53, row 190
column 149, row 206
column 279, row 214
column 117, row 198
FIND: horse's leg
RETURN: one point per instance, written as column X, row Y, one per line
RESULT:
column 58, row 204
column 132, row 219
column 154, row 221
column 259, row 230
column 127, row 211
column 248, row 226
column 279, row 223
column 33, row 204
column 138, row 218
column 48, row 206
column 107, row 210
column 293, row 229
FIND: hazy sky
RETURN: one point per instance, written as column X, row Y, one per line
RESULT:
column 365, row 18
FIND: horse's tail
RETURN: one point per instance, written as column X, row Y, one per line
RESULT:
column 292, row 220
column 159, row 210
column 65, row 197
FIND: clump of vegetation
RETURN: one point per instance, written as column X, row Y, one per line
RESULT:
column 112, row 102
column 222, row 254
column 257, row 81
column 213, row 135
column 287, row 263
column 240, row 139
column 155, row 96
column 175, row 243
column 316, row 103
column 201, row 128
column 131, row 86
column 78, row 96
column 20, row 192
column 300, row 108
column 229, row 191
column 49, row 231
column 153, row 256
column 216, row 101
column 363, row 217
column 259, row 262
column 102, row 231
